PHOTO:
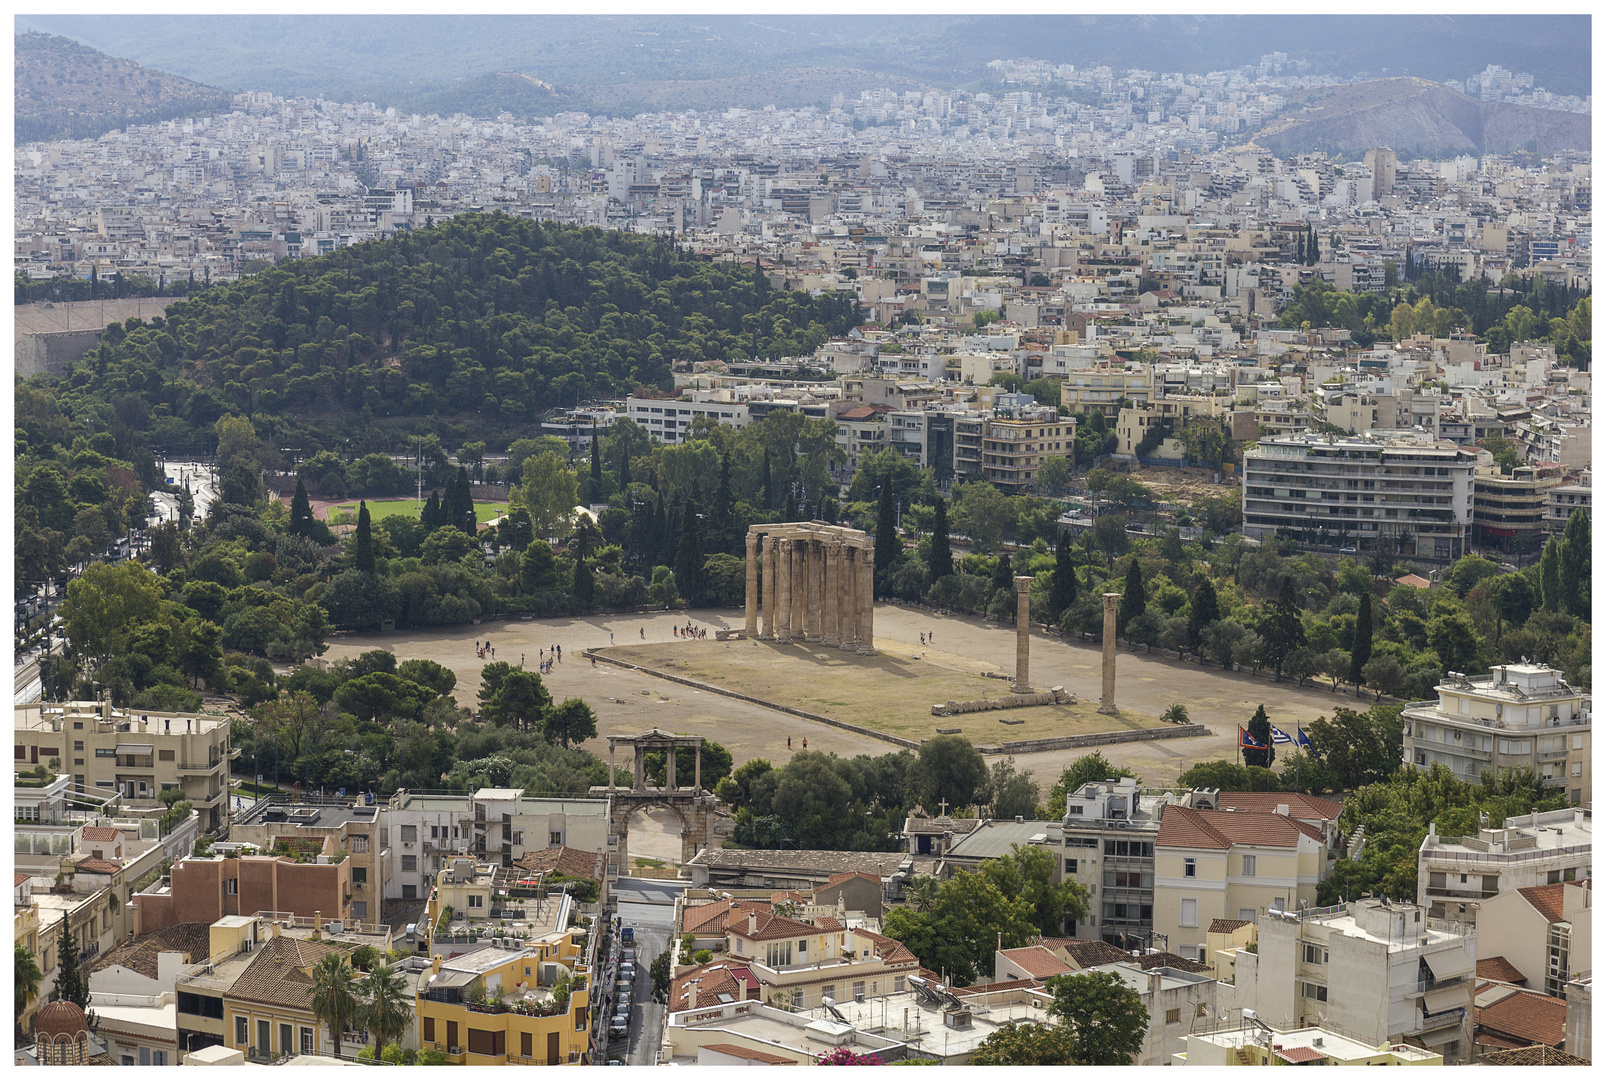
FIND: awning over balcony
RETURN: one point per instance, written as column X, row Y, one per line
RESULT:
column 136, row 749
column 1449, row 997
column 1450, row 963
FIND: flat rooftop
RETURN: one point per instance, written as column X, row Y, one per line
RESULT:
column 50, row 716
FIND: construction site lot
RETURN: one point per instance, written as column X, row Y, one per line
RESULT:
column 1177, row 485
column 891, row 692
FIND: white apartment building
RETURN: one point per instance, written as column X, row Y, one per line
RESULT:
column 1563, row 500
column 1544, row 931
column 1520, row 715
column 1376, row 970
column 1455, row 875
column 1411, row 488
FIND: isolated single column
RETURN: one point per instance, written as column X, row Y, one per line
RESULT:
column 1023, row 635
column 1107, row 699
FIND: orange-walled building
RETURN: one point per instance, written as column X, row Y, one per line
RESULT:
column 205, row 890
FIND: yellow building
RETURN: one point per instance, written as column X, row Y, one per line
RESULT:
column 1230, row 864
column 495, row 1006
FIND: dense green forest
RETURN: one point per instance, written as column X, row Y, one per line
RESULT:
column 486, row 319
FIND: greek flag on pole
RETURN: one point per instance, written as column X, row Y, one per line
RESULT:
column 1304, row 740
column 1279, row 736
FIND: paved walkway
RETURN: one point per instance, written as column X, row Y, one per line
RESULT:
column 628, row 702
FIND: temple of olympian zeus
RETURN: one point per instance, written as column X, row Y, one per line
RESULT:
column 818, row 585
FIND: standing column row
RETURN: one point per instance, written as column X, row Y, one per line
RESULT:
column 815, row 589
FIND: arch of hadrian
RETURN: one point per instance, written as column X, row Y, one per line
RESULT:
column 818, row 585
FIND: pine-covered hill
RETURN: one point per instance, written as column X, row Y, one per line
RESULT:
column 486, row 320
column 65, row 90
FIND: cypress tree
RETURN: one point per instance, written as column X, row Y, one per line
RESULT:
column 1204, row 610
column 887, row 545
column 466, row 519
column 300, row 511
column 624, row 463
column 584, row 587
column 432, row 514
column 1550, row 597
column 1063, row 594
column 1260, row 731
column 689, row 556
column 722, row 522
column 71, row 983
column 1574, row 559
column 364, row 557
column 790, row 512
column 1361, row 646
column 942, row 552
column 765, row 497
column 1315, row 247
column 596, row 466
column 1133, row 602
column 1003, row 573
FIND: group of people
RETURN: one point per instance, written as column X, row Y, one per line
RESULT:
column 550, row 657
column 696, row 633
column 484, row 649
column 928, row 639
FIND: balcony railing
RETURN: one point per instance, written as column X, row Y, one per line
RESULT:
column 1447, row 1018
column 1426, row 984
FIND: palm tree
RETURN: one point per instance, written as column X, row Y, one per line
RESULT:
column 25, row 969
column 1176, row 713
column 922, row 892
column 334, row 995
column 387, row 1011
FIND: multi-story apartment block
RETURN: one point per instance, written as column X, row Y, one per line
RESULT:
column 1543, row 931
column 1456, row 875
column 206, row 889
column 1509, row 512
column 1563, row 499
column 1229, row 864
column 1011, row 445
column 519, row 1004
column 136, row 754
column 1108, row 836
column 1381, row 971
column 1410, row 489
column 1104, row 389
column 1520, row 715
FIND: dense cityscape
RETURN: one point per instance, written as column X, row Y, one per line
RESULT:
column 1244, row 469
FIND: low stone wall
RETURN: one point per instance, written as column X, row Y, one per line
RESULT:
column 1056, row 696
column 1102, row 738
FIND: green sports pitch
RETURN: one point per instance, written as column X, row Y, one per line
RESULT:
column 346, row 513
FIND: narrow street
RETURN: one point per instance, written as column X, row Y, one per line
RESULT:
column 646, row 905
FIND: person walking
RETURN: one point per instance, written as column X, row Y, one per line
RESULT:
column 789, row 742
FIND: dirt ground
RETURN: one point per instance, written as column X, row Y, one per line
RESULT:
column 630, row 702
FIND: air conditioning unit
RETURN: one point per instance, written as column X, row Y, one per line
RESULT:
column 455, row 1050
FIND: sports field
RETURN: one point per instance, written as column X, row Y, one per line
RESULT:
column 346, row 512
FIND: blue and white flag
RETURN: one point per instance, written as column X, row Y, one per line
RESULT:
column 1304, row 740
column 1280, row 736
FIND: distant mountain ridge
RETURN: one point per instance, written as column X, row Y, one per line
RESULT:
column 65, row 90
column 1420, row 118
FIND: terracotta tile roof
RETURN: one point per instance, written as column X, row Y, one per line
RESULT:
column 279, row 974
column 18, row 879
column 826, row 922
column 786, row 898
column 1531, row 1055
column 1003, row 984
column 772, row 927
column 563, row 860
column 1298, row 1055
column 1527, row 1016
column 1170, row 960
column 712, row 979
column 1546, row 899
column 1184, row 827
column 96, row 832
column 1267, row 802
column 748, row 1053
column 1499, row 969
column 1086, row 954
column 1496, row 1041
column 1226, row 926
column 1054, row 944
column 837, row 879
column 888, row 950
column 98, row 866
column 714, row 918
column 194, row 940
column 1037, row 962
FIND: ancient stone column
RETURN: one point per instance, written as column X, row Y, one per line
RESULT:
column 783, row 592
column 833, row 584
column 641, row 769
column 1107, row 698
column 1023, row 635
column 669, row 770
column 799, row 593
column 866, row 601
column 610, row 764
column 847, row 598
column 752, row 585
column 697, row 769
column 811, row 590
column 771, row 575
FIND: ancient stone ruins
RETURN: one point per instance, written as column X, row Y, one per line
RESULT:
column 818, row 585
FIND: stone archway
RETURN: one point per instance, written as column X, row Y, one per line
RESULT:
column 694, row 807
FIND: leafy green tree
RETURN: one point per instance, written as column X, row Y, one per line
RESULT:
column 1451, row 636
column 983, row 513
column 1027, row 1043
column 942, row 553
column 1260, row 730
column 1062, row 593
column 1361, row 748
column 1228, row 776
column 1467, row 572
column 1384, row 673
column 1550, row 593
column 1011, row 793
column 1028, row 872
column 1106, row 1018
column 335, row 1003
column 571, row 722
column 1204, row 610
column 1282, row 629
column 888, row 546
column 960, row 932
column 951, row 770
column 521, row 701
column 548, row 491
